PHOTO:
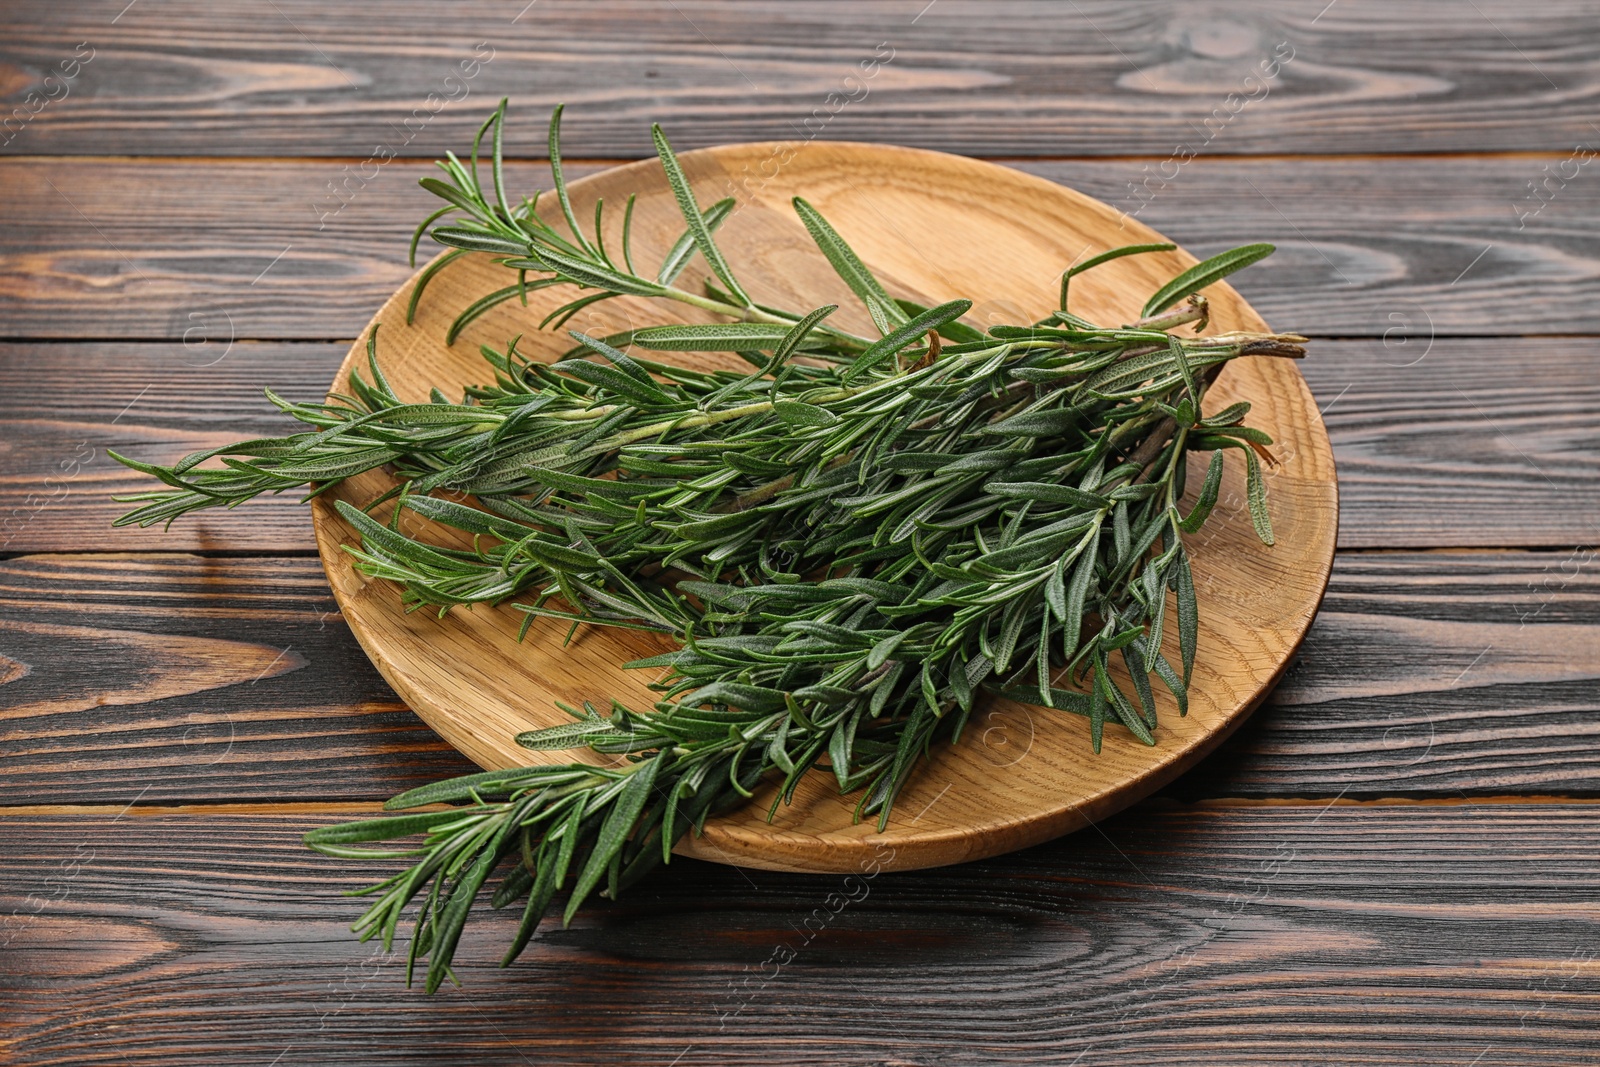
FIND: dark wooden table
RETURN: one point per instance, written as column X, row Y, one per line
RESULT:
column 1396, row 861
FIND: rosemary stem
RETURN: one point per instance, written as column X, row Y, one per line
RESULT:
column 1195, row 309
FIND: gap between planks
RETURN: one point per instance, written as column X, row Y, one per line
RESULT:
column 359, row 807
column 1002, row 158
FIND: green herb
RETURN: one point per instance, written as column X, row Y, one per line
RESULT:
column 852, row 541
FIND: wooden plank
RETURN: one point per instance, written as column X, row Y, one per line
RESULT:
column 68, row 405
column 205, row 253
column 167, row 676
column 208, row 254
column 1457, row 450
column 1402, row 250
column 179, row 679
column 1257, row 935
column 972, row 76
column 1432, row 673
column 1475, row 444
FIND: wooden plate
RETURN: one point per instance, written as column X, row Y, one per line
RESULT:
column 933, row 227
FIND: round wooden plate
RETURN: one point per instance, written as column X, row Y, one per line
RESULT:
column 933, row 227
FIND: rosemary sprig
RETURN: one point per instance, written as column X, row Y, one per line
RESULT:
column 851, row 541
column 524, row 241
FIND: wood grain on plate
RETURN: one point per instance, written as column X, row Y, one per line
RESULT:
column 1091, row 77
column 209, row 251
column 993, row 234
column 1431, row 933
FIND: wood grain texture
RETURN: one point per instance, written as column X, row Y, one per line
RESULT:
column 974, row 76
column 65, row 406
column 1401, row 250
column 163, row 678
column 1474, row 444
column 479, row 682
column 205, row 252
column 123, row 250
column 1345, row 935
column 1425, row 674
column 1433, row 673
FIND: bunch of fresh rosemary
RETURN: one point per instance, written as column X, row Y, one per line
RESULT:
column 852, row 540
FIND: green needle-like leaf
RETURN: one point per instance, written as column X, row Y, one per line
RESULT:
column 1203, row 274
column 1106, row 257
column 712, row 337
column 899, row 338
column 561, row 182
column 683, row 249
column 614, row 831
column 884, row 311
column 693, row 218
